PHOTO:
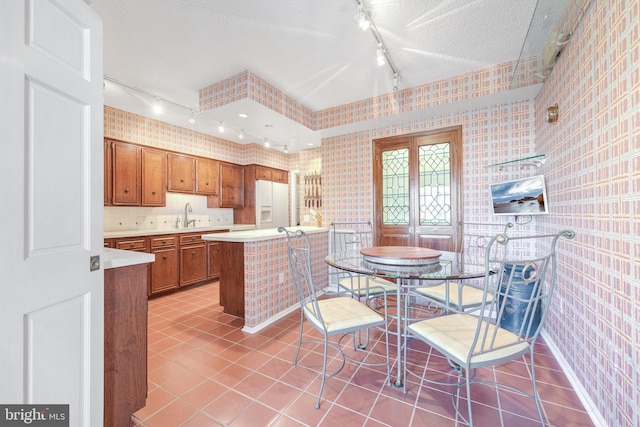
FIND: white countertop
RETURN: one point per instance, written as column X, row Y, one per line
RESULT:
column 153, row 232
column 256, row 235
column 115, row 258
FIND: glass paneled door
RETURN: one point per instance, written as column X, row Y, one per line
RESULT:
column 417, row 194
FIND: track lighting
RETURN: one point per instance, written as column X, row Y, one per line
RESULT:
column 362, row 19
column 380, row 55
column 286, row 149
column 241, row 134
column 396, row 82
column 157, row 106
column 192, row 119
column 266, row 143
column 220, row 127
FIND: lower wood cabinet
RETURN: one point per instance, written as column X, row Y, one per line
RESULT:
column 193, row 259
column 182, row 259
column 125, row 343
column 165, row 269
column 214, row 260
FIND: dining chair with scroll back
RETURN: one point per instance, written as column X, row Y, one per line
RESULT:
column 332, row 314
column 505, row 328
column 462, row 295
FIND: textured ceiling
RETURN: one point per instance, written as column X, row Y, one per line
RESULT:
column 312, row 50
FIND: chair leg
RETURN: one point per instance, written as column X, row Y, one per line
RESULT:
column 295, row 359
column 324, row 371
column 536, row 398
column 468, row 379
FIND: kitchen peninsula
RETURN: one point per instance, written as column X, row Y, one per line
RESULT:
column 255, row 282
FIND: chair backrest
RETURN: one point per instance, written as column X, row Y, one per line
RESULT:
column 473, row 239
column 351, row 236
column 522, row 289
column 299, row 254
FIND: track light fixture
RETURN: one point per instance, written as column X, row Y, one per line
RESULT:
column 266, row 143
column 286, row 149
column 362, row 19
column 157, row 106
column 192, row 119
column 220, row 127
column 382, row 54
column 241, row 134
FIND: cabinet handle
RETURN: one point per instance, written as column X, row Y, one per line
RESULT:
column 131, row 245
column 164, row 257
column 126, row 190
column 193, row 253
column 164, row 242
column 181, row 180
column 153, row 193
column 206, row 183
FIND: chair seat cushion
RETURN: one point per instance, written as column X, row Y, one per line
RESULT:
column 470, row 294
column 343, row 314
column 453, row 335
column 365, row 285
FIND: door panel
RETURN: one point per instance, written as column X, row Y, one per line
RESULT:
column 51, row 164
column 416, row 189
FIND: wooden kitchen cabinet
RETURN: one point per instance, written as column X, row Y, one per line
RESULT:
column 231, row 186
column 165, row 269
column 125, row 343
column 193, row 259
column 207, row 176
column 280, row 176
column 264, row 173
column 213, row 249
column 154, row 177
column 126, row 174
column 181, row 172
column 108, row 173
column 232, row 278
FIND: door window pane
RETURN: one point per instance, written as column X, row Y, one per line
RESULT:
column 435, row 184
column 395, row 187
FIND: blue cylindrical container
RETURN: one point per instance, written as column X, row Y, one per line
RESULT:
column 514, row 312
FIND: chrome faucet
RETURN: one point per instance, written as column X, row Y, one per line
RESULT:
column 187, row 221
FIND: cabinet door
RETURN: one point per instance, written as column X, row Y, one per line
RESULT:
column 231, row 186
column 164, row 271
column 263, row 172
column 193, row 264
column 214, row 260
column 126, row 174
column 181, row 173
column 280, row 176
column 108, row 173
column 154, row 177
column 207, row 172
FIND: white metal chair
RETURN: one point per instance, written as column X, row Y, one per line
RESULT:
column 353, row 236
column 331, row 316
column 471, row 244
column 507, row 325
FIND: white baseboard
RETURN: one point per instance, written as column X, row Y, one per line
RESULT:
column 269, row 321
column 589, row 406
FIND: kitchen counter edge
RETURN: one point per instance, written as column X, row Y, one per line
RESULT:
column 155, row 232
column 257, row 235
column 116, row 258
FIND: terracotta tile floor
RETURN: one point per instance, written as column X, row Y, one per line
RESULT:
column 204, row 371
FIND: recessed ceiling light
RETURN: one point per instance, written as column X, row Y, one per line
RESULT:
column 243, row 115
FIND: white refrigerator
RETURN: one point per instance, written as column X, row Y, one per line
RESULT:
column 272, row 204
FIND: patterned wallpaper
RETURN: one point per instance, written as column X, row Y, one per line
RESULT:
column 592, row 172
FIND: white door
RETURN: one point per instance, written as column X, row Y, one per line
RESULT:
column 51, row 112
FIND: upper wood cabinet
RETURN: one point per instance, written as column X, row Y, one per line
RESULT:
column 108, row 173
column 154, row 177
column 270, row 174
column 231, row 186
column 126, row 174
column 207, row 176
column 280, row 176
column 181, row 173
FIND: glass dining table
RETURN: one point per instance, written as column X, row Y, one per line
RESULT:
column 407, row 274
